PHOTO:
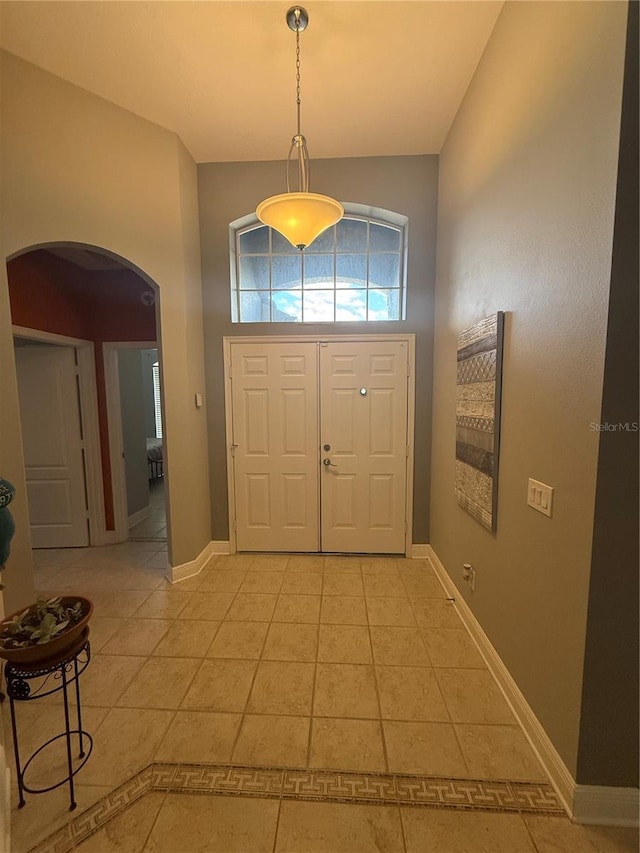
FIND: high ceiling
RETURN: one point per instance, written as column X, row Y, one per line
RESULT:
column 378, row 78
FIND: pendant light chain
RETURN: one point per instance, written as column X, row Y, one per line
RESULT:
column 299, row 216
column 298, row 76
column 299, row 141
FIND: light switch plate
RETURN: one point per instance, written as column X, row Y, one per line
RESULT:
column 198, row 401
column 540, row 497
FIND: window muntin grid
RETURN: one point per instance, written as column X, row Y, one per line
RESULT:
column 353, row 272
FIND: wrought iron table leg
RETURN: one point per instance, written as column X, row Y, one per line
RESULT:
column 16, row 752
column 68, row 737
column 80, row 732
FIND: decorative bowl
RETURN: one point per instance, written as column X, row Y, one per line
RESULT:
column 63, row 642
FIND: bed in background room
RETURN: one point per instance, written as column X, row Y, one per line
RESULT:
column 155, row 458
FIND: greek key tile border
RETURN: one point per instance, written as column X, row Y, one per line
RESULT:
column 93, row 818
column 320, row 785
column 218, row 779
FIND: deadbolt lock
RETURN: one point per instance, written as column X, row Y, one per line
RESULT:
column 326, row 447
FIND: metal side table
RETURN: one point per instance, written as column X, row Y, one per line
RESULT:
column 57, row 674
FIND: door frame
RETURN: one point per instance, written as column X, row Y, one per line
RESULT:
column 110, row 350
column 98, row 534
column 410, row 340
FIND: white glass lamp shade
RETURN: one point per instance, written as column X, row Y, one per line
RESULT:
column 300, row 217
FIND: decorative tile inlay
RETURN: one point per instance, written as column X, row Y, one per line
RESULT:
column 456, row 793
column 320, row 785
column 59, row 842
column 351, row 787
column 532, row 797
column 106, row 808
column 249, row 781
column 90, row 820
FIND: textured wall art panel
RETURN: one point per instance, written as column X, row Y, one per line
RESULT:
column 478, row 391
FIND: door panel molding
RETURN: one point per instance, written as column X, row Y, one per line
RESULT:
column 364, row 417
column 90, row 423
column 274, row 441
column 229, row 341
column 53, row 446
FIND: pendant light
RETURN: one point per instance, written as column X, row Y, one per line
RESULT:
column 299, row 216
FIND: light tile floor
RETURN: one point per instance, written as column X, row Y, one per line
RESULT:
column 154, row 526
column 341, row 663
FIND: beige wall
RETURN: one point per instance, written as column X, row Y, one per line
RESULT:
column 76, row 168
column 526, row 201
column 406, row 185
column 189, row 506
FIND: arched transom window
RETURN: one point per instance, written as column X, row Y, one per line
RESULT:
column 353, row 272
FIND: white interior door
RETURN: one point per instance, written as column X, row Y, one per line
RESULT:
column 275, row 438
column 363, row 434
column 52, row 441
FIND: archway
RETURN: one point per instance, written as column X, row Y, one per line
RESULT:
column 82, row 296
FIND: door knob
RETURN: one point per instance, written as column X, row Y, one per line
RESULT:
column 328, row 462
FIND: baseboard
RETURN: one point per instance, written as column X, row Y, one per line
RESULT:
column 418, row 552
column 556, row 769
column 587, row 804
column 606, row 806
column 138, row 516
column 194, row 567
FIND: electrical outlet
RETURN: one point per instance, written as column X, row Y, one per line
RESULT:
column 469, row 574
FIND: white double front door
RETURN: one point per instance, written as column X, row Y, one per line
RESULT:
column 319, row 445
